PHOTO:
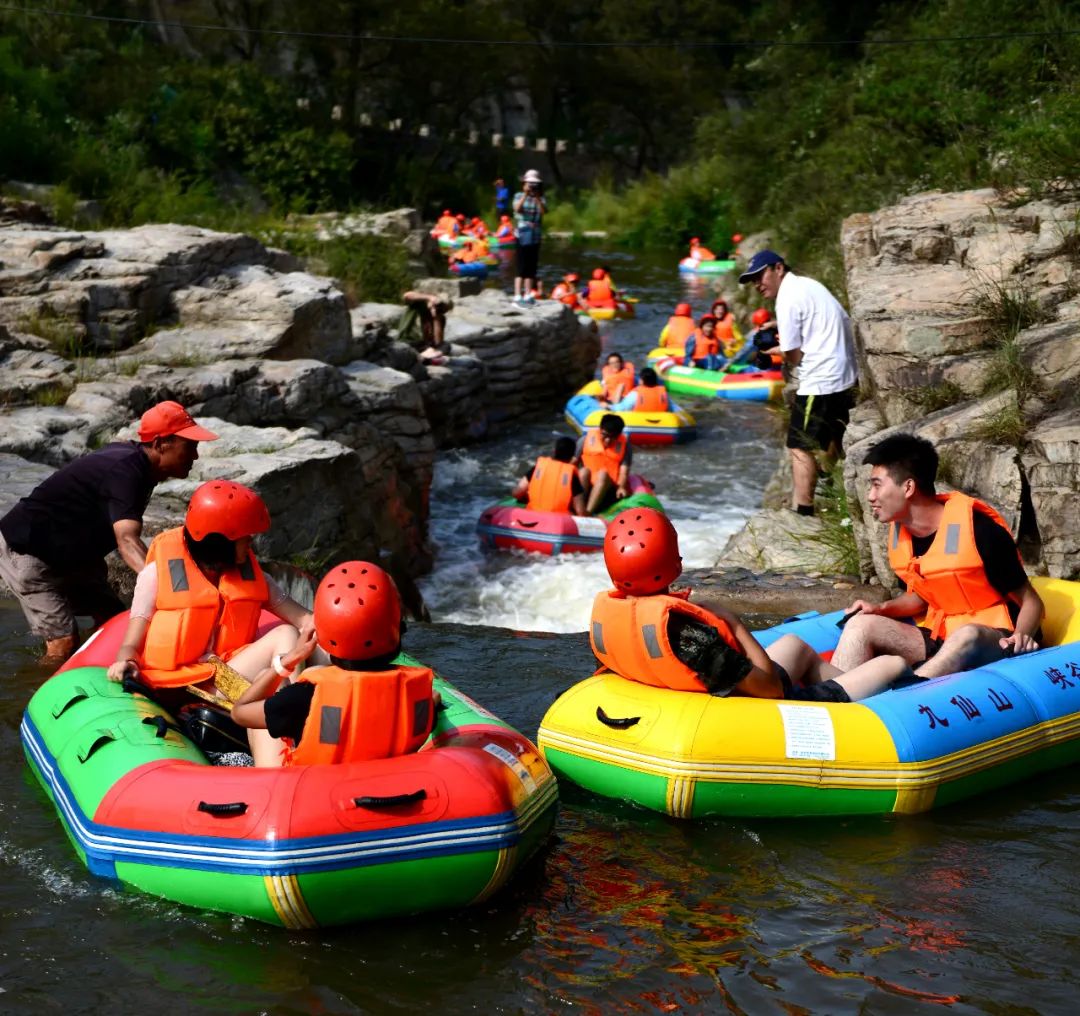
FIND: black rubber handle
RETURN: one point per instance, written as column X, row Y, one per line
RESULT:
column 103, row 739
column 390, row 802
column 133, row 686
column 225, row 810
column 616, row 723
column 162, row 725
column 81, row 695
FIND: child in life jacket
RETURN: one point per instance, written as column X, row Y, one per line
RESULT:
column 565, row 292
column 648, row 397
column 699, row 252
column 361, row 706
column 644, row 632
column 727, row 330
column 617, row 377
column 198, row 600
column 703, row 346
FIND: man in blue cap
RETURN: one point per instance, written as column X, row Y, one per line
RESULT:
column 817, row 341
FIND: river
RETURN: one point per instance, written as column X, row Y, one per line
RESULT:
column 972, row 908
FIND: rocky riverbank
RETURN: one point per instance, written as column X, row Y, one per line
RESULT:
column 967, row 315
column 320, row 407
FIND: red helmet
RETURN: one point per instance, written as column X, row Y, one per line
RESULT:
column 221, row 506
column 760, row 316
column 736, row 237
column 641, row 551
column 357, row 612
column 571, row 277
column 504, row 218
column 460, row 216
column 694, row 241
column 598, row 273
column 683, row 310
column 446, row 211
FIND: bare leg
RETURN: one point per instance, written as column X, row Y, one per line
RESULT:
column 803, row 476
column 800, row 661
column 967, row 647
column 805, row 666
column 600, row 488
column 873, row 677
column 868, row 635
column 266, row 750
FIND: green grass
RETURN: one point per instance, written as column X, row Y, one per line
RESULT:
column 1005, row 427
column 836, row 533
column 931, row 398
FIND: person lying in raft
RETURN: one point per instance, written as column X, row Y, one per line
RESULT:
column 553, row 484
column 361, row 706
column 680, row 326
column 197, row 603
column 703, row 346
column 648, row 397
column 603, row 456
column 644, row 632
column 617, row 377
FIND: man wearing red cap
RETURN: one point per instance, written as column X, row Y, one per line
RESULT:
column 54, row 541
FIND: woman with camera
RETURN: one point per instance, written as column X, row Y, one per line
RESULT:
column 529, row 209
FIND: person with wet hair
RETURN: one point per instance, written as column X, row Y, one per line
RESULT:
column 552, row 484
column 603, row 456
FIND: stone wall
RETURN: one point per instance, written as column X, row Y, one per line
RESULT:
column 320, row 408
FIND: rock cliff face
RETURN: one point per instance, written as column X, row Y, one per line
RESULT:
column 320, row 408
column 967, row 320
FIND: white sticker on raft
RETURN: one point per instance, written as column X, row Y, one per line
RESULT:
column 808, row 732
column 508, row 758
column 588, row 525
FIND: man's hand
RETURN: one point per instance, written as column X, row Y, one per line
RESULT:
column 1018, row 643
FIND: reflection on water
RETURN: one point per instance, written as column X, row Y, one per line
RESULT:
column 973, row 909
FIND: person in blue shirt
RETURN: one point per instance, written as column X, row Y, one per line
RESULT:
column 502, row 197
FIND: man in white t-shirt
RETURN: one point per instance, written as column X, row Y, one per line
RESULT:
column 816, row 338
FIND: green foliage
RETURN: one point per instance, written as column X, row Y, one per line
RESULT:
column 1009, row 309
column 368, row 267
column 931, row 398
column 1005, row 427
column 836, row 533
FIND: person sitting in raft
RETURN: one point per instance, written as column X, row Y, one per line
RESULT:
column 465, row 254
column 552, row 484
column 699, row 252
column 680, row 326
column 617, row 377
column 599, row 294
column 644, row 632
column 727, row 331
column 478, row 228
column 965, row 582
column 565, row 292
column 703, row 346
column 648, row 397
column 604, row 457
column 446, row 225
column 505, row 230
column 197, row 602
column 360, row 707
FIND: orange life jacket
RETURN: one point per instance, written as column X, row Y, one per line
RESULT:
column 565, row 293
column 725, row 328
column 447, row 225
column 600, row 293
column 951, row 576
column 705, row 345
column 598, row 459
column 551, row 486
column 612, row 379
column 190, row 608
column 676, row 332
column 652, row 400
column 366, row 714
column 702, row 253
column 629, row 635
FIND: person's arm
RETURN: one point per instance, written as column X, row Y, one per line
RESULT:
column 691, row 345
column 761, row 681
column 296, row 614
column 521, row 489
column 1027, row 622
column 250, row 709
column 578, row 504
column 899, row 607
column 626, row 404
column 622, row 484
column 127, row 655
column 129, row 544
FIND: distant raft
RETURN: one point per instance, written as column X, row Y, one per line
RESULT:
column 689, row 754
column 509, row 525
column 302, row 846
column 675, row 426
column 692, row 266
column 741, row 382
column 622, row 309
column 476, row 269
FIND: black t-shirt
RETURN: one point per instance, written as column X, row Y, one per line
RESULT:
column 68, row 518
column 702, row 649
column 997, row 549
column 287, row 710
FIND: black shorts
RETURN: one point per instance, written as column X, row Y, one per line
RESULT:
column 931, row 644
column 826, row 691
column 528, row 259
column 818, row 421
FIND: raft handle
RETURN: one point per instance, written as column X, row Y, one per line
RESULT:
column 103, row 739
column 133, row 686
column 81, row 695
column 232, row 808
column 390, row 802
column 617, row 723
column 162, row 726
